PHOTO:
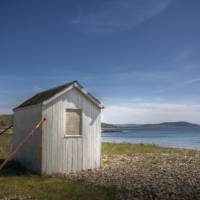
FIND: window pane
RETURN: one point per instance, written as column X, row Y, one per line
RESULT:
column 73, row 122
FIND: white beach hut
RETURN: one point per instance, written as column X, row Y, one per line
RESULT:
column 69, row 139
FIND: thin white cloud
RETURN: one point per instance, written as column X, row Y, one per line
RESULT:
column 151, row 113
column 119, row 15
column 179, row 85
column 187, row 54
column 37, row 88
column 192, row 81
column 130, row 75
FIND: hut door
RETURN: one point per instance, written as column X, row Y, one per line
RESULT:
column 73, row 122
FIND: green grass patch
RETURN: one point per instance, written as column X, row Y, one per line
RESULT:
column 15, row 180
column 52, row 188
column 6, row 120
column 130, row 149
column 5, row 145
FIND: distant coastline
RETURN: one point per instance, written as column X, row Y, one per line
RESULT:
column 180, row 135
column 121, row 127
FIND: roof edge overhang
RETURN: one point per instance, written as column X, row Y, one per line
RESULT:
column 75, row 84
column 78, row 86
column 26, row 107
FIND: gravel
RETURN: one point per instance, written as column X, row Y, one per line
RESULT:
column 147, row 176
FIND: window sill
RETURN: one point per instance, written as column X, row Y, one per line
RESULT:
column 73, row 136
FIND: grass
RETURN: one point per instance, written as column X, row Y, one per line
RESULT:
column 51, row 188
column 14, row 180
column 130, row 149
column 149, row 154
column 6, row 120
column 5, row 145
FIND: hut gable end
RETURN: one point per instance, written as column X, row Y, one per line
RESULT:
column 47, row 95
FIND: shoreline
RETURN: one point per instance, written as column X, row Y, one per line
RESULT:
column 153, row 144
column 175, row 138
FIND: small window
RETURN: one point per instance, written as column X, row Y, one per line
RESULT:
column 73, row 122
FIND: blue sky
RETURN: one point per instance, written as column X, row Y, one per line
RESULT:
column 141, row 58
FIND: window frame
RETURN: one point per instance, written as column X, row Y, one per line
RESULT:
column 77, row 135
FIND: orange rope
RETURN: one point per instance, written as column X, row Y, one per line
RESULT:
column 20, row 145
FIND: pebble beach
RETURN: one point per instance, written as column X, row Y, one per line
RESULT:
column 158, row 175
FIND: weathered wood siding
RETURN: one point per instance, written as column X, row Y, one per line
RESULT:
column 24, row 120
column 62, row 154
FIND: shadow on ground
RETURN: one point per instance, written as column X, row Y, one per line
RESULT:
column 13, row 169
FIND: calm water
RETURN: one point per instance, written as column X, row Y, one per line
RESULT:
column 183, row 137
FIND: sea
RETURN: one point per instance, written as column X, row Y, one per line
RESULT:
column 181, row 137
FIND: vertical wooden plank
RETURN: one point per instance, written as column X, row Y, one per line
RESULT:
column 92, row 136
column 79, row 155
column 65, row 170
column 69, row 154
column 74, row 155
column 98, row 135
column 99, row 140
column 49, row 136
column 60, row 138
column 62, row 134
column 84, row 145
column 87, row 136
column 44, row 142
column 95, row 139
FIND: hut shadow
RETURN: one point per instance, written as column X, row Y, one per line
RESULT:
column 13, row 168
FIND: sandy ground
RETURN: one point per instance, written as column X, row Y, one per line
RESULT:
column 148, row 176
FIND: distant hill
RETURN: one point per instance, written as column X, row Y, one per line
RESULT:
column 170, row 124
column 6, row 120
column 121, row 127
column 105, row 125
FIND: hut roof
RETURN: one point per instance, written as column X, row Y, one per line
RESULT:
column 47, row 94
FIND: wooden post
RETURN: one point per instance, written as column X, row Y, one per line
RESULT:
column 22, row 143
column 1, row 133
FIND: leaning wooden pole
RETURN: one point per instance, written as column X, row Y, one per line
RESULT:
column 1, row 133
column 22, row 143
